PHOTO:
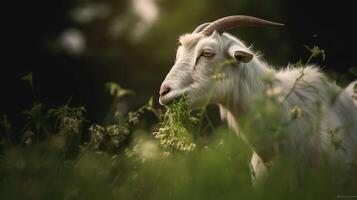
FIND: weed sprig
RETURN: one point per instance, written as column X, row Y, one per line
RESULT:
column 175, row 133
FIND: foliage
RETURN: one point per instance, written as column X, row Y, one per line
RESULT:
column 116, row 90
column 176, row 128
column 59, row 154
column 29, row 80
column 315, row 52
column 98, row 162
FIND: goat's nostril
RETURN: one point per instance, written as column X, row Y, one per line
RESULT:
column 164, row 90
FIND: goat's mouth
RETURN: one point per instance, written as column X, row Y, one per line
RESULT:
column 169, row 98
column 167, row 101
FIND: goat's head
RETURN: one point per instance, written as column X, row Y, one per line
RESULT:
column 200, row 60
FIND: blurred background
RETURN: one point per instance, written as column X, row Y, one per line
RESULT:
column 73, row 47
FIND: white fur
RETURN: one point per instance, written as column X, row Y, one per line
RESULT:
column 242, row 82
column 351, row 89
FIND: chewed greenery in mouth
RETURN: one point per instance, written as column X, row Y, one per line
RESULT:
column 175, row 133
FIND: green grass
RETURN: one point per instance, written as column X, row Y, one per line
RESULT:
column 58, row 154
column 64, row 157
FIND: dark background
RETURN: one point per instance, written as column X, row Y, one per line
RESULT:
column 32, row 32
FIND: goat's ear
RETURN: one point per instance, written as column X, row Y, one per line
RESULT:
column 240, row 54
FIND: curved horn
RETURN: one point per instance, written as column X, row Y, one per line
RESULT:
column 200, row 27
column 226, row 23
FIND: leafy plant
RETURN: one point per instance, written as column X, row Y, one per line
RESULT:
column 116, row 90
column 175, row 133
column 62, row 155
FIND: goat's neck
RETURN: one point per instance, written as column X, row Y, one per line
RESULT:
column 247, row 81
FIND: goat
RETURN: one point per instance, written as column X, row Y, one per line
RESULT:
column 307, row 88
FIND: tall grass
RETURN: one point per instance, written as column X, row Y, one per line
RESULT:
column 58, row 154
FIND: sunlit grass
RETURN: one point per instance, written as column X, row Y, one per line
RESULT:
column 59, row 154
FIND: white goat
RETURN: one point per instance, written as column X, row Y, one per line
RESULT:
column 200, row 57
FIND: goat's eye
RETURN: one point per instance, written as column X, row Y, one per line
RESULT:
column 207, row 53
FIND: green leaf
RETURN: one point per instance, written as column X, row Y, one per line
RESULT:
column 117, row 91
column 29, row 79
column 315, row 52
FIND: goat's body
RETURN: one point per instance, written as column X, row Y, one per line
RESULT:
column 328, row 114
column 324, row 126
column 323, row 103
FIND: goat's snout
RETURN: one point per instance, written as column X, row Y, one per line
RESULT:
column 164, row 90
